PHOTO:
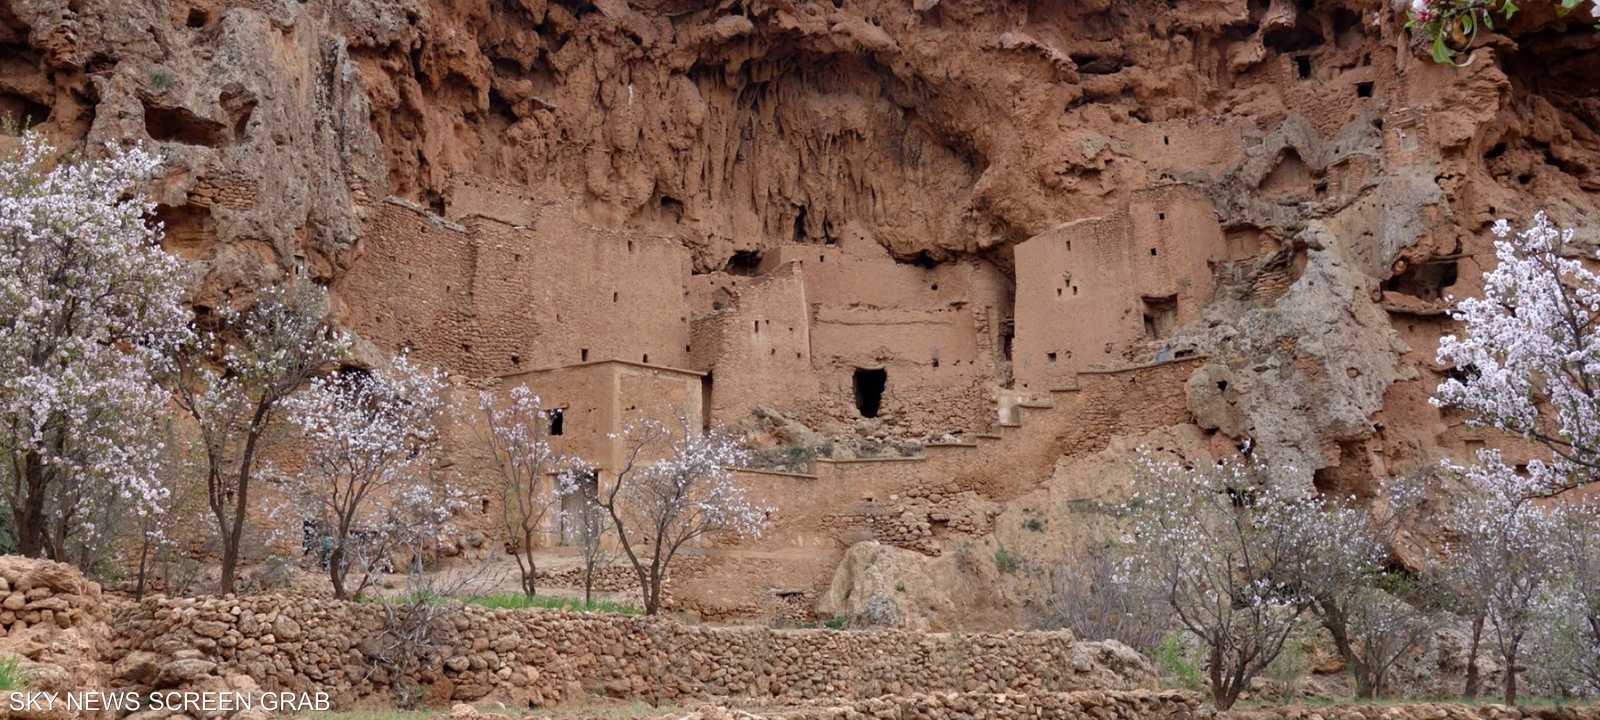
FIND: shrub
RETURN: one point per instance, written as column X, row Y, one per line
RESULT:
column 1093, row 600
column 1174, row 659
column 1288, row 669
column 837, row 622
column 11, row 675
column 1004, row 562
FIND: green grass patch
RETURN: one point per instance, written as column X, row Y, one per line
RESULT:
column 11, row 676
column 547, row 602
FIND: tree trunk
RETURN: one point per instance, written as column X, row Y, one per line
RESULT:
column 588, row 583
column 652, row 590
column 1337, row 625
column 144, row 564
column 1471, row 689
column 1366, row 688
column 1511, row 674
column 28, row 515
column 1219, row 693
column 230, row 563
column 530, row 573
column 241, row 493
column 336, row 572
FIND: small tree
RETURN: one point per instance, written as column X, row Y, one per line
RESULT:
column 1228, row 550
column 90, row 307
column 518, row 434
column 579, row 483
column 1094, row 597
column 687, row 492
column 1578, row 547
column 183, row 507
column 1528, row 361
column 1346, row 577
column 233, row 380
column 372, row 437
column 1501, row 563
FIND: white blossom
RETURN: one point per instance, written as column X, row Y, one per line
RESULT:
column 90, row 308
column 532, row 475
column 1528, row 361
column 366, row 477
column 674, row 487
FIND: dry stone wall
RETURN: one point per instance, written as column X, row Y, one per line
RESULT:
column 540, row 657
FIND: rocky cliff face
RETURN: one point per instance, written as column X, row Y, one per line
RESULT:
column 1351, row 179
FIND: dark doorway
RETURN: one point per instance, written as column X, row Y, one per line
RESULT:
column 557, row 421
column 579, row 514
column 1160, row 316
column 869, row 386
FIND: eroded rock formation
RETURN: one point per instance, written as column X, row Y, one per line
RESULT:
column 859, row 216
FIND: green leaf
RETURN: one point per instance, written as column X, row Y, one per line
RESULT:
column 1510, row 9
column 1441, row 52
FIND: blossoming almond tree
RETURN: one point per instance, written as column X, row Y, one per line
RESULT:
column 1226, row 548
column 674, row 486
column 1528, row 360
column 1502, row 562
column 233, row 379
column 585, row 513
column 518, row 433
column 90, row 308
column 1345, row 576
column 1578, row 547
column 371, row 439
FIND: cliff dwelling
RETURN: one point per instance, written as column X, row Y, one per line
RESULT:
column 949, row 271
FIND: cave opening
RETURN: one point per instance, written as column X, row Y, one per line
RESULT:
column 869, row 385
column 744, row 262
column 18, row 113
column 176, row 124
column 1427, row 280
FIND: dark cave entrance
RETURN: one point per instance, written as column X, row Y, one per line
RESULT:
column 869, row 385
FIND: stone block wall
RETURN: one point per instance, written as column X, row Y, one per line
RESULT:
column 537, row 656
column 46, row 594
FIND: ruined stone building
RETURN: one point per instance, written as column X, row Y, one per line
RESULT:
column 945, row 263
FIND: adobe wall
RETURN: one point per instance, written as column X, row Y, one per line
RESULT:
column 542, row 657
column 597, row 400
column 411, row 286
column 1090, row 291
column 949, row 491
column 935, row 330
column 754, row 335
column 483, row 297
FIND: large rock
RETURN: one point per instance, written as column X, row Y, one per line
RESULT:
column 883, row 585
